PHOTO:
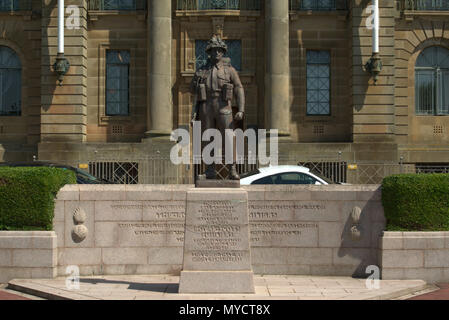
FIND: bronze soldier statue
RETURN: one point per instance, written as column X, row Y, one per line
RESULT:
column 213, row 88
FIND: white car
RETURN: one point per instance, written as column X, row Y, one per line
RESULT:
column 282, row 175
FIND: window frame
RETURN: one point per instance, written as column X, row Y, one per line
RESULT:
column 103, row 118
column 128, row 66
column 329, row 114
column 435, row 78
column 21, row 93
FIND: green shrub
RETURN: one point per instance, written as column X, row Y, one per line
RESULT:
column 27, row 196
column 415, row 202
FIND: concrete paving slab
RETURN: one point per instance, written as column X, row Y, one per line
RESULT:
column 165, row 287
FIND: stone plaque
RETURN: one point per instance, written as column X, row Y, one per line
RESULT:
column 216, row 243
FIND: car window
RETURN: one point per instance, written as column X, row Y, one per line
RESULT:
column 329, row 181
column 264, row 180
column 86, row 176
column 294, row 178
column 249, row 174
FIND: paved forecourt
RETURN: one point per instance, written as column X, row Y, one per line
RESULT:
column 268, row 287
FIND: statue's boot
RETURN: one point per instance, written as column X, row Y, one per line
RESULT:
column 210, row 172
column 233, row 175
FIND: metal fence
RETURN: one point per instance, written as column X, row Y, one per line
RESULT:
column 431, row 5
column 432, row 168
column 148, row 170
column 374, row 173
column 218, row 5
column 158, row 169
column 335, row 171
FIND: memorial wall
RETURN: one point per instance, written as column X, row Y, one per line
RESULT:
column 139, row 229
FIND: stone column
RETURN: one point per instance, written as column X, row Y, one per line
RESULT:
column 160, row 102
column 277, row 76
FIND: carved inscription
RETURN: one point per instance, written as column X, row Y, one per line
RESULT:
column 276, row 223
column 216, row 234
column 161, row 211
column 163, row 224
column 271, row 211
column 285, row 232
column 153, row 232
column 211, row 256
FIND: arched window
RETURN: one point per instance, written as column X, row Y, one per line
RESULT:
column 10, row 82
column 432, row 82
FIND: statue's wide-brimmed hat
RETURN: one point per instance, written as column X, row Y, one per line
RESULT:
column 216, row 42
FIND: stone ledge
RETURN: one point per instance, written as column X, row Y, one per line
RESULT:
column 415, row 255
column 27, row 254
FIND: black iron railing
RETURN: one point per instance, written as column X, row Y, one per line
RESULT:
column 218, row 5
column 15, row 5
column 104, row 5
column 425, row 5
column 318, row 5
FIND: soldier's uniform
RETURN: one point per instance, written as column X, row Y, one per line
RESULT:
column 213, row 87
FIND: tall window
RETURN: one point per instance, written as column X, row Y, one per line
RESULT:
column 10, row 82
column 234, row 52
column 318, row 82
column 432, row 82
column 117, row 82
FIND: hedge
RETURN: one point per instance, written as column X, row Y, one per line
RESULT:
column 416, row 202
column 27, row 196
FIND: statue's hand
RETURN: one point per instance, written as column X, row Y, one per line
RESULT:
column 238, row 116
column 193, row 119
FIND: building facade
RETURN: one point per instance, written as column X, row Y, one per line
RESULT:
column 302, row 64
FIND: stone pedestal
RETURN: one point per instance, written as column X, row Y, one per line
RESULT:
column 216, row 242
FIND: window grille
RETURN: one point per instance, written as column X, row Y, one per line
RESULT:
column 318, row 82
column 10, row 82
column 432, row 82
column 117, row 83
